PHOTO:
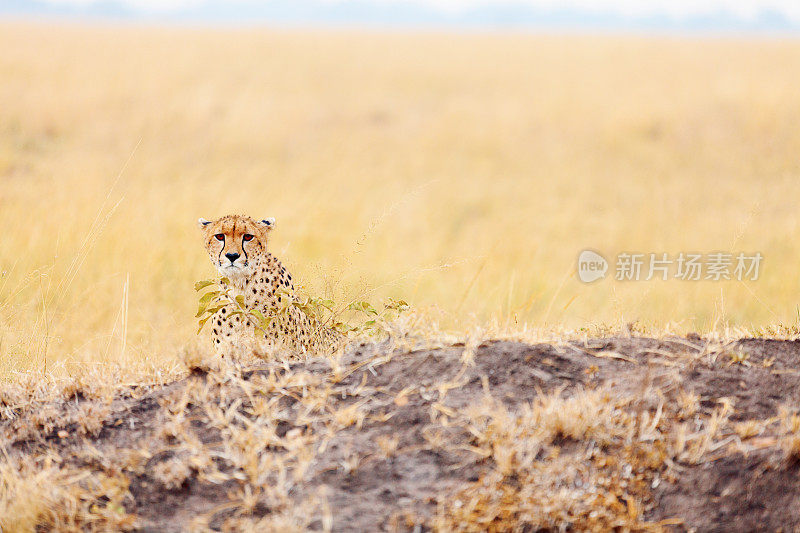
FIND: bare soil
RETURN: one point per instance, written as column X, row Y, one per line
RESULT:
column 742, row 483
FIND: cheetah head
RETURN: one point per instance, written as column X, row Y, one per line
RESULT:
column 235, row 243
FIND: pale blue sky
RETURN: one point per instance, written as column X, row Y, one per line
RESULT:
column 644, row 14
column 740, row 8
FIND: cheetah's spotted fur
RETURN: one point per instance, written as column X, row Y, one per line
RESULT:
column 237, row 246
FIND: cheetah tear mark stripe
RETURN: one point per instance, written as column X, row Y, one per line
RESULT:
column 246, row 259
column 219, row 257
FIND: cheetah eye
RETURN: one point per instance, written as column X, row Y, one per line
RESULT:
column 247, row 237
column 220, row 236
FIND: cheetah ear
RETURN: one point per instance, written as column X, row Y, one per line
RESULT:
column 268, row 222
column 201, row 223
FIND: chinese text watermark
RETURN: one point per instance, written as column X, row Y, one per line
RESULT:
column 630, row 266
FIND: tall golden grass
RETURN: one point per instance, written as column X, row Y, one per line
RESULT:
column 461, row 171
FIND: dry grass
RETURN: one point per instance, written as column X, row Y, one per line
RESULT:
column 458, row 171
column 257, row 440
column 531, row 484
column 47, row 495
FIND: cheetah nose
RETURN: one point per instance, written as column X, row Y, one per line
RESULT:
column 232, row 256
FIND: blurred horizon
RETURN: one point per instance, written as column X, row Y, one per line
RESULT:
column 778, row 17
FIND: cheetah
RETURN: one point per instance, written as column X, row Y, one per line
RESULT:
column 237, row 246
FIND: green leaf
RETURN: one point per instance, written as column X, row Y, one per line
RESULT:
column 226, row 281
column 202, row 323
column 207, row 297
column 327, row 304
column 343, row 328
column 308, row 310
column 205, row 301
column 285, row 291
column 213, row 310
column 400, row 305
column 364, row 307
column 263, row 322
column 240, row 300
column 200, row 285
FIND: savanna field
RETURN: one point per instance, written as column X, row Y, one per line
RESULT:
column 460, row 172
column 463, row 172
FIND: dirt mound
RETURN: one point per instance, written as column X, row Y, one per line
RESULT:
column 675, row 433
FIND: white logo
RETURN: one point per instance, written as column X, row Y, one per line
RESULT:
column 591, row 266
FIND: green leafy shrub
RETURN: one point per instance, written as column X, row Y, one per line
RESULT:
column 353, row 318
